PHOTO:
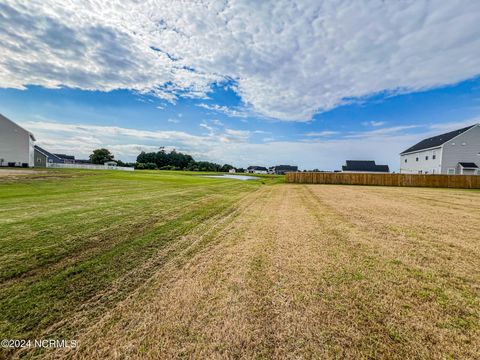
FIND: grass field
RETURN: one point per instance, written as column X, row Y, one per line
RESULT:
column 171, row 265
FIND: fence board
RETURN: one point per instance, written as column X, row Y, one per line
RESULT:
column 449, row 181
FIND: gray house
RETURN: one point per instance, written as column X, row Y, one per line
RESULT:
column 455, row 152
column 16, row 144
column 44, row 157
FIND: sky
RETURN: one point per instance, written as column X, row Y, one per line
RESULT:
column 307, row 83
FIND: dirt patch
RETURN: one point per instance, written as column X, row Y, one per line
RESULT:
column 19, row 172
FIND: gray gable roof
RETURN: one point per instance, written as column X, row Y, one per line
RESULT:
column 48, row 154
column 436, row 141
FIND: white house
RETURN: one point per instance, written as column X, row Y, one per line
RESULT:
column 455, row 152
column 16, row 144
column 257, row 170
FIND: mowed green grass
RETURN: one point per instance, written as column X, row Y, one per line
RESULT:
column 67, row 236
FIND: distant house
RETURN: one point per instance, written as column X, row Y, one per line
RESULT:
column 110, row 164
column 67, row 159
column 232, row 171
column 257, row 170
column 83, row 161
column 16, row 144
column 366, row 166
column 282, row 169
column 455, row 152
column 43, row 157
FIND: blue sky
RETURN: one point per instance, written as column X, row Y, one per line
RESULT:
column 314, row 85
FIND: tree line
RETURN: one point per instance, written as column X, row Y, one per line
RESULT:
column 174, row 160
column 162, row 160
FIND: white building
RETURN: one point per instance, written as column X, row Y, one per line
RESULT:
column 16, row 144
column 455, row 152
column 257, row 170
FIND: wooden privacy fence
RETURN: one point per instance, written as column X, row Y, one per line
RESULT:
column 447, row 181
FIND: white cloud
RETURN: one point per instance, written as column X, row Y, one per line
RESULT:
column 127, row 143
column 450, row 126
column 225, row 145
column 224, row 109
column 321, row 133
column 288, row 59
column 174, row 121
column 373, row 123
column 381, row 132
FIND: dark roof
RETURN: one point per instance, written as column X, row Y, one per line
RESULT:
column 285, row 167
column 64, row 156
column 436, row 141
column 364, row 165
column 468, row 165
column 257, row 168
column 47, row 153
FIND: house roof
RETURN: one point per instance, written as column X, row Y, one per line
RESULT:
column 468, row 165
column 257, row 168
column 46, row 153
column 285, row 167
column 64, row 156
column 364, row 165
column 436, row 141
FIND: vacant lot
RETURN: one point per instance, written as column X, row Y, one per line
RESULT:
column 160, row 265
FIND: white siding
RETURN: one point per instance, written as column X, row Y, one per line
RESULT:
column 410, row 165
column 15, row 143
column 466, row 149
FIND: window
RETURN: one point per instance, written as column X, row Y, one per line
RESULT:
column 426, row 157
column 416, row 159
column 405, row 160
column 434, row 157
column 451, row 171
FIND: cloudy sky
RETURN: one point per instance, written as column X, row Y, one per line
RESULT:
column 310, row 83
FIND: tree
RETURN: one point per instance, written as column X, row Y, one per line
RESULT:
column 101, row 156
column 226, row 168
column 162, row 158
column 144, row 157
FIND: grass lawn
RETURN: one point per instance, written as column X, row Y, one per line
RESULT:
column 68, row 236
column 170, row 265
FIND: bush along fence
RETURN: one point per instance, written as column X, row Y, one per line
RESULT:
column 446, row 181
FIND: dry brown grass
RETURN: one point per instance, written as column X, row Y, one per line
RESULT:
column 312, row 272
column 18, row 172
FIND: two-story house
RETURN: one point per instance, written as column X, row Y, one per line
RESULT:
column 455, row 152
